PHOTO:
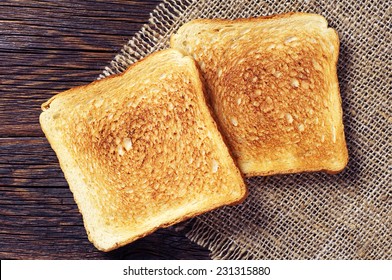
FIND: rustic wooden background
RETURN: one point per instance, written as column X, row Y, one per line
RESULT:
column 45, row 47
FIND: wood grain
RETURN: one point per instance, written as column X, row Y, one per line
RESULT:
column 44, row 223
column 47, row 47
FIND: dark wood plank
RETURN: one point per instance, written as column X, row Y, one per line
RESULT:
column 44, row 223
column 26, row 151
column 29, row 162
column 49, row 46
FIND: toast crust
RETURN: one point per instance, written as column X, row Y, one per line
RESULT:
column 140, row 150
column 273, row 86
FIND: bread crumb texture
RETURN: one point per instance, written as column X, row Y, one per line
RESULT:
column 147, row 147
column 274, row 88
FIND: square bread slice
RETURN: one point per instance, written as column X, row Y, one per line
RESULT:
column 272, row 83
column 140, row 150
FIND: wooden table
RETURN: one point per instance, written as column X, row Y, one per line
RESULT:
column 46, row 47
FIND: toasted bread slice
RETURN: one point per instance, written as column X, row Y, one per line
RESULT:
column 272, row 82
column 140, row 150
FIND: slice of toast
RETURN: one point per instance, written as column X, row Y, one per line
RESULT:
column 272, row 83
column 140, row 150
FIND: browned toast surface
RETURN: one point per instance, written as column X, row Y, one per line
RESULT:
column 140, row 150
column 273, row 86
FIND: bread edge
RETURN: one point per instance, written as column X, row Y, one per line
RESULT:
column 243, row 20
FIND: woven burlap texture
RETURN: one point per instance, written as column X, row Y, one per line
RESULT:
column 314, row 215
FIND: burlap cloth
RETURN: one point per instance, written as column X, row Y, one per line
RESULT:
column 306, row 216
